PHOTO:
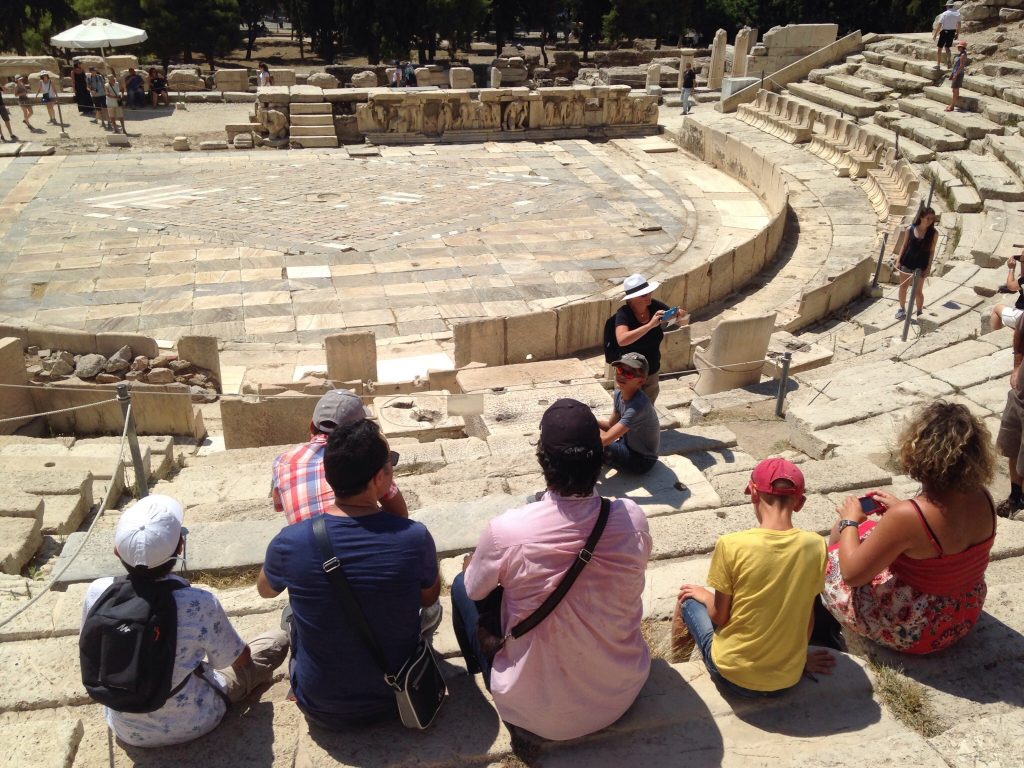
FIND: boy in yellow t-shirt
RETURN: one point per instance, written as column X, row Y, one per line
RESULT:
column 754, row 628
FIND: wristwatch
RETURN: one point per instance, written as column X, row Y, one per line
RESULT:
column 847, row 524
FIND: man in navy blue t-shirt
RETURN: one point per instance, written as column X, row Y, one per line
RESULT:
column 391, row 564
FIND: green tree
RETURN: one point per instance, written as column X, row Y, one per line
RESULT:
column 28, row 26
column 251, row 13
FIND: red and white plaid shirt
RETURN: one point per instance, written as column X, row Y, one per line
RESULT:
column 299, row 485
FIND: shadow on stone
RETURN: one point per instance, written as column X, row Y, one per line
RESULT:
column 836, row 703
column 244, row 737
column 466, row 730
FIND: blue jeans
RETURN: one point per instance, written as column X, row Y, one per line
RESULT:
column 465, row 616
column 619, row 455
column 695, row 616
column 686, row 100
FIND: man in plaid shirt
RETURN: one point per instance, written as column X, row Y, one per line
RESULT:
column 300, row 489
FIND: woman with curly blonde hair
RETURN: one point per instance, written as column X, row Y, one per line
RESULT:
column 914, row 581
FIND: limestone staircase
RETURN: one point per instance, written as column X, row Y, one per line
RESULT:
column 312, row 125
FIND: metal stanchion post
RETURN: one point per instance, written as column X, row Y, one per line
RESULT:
column 125, row 399
column 897, row 145
column 881, row 255
column 60, row 118
column 787, row 358
column 910, row 303
column 931, row 191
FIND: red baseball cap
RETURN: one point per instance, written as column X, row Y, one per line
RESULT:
column 770, row 471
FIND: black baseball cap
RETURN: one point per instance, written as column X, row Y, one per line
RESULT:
column 569, row 428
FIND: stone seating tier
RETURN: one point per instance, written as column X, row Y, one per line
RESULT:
column 779, row 116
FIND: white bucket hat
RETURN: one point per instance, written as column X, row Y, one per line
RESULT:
column 637, row 285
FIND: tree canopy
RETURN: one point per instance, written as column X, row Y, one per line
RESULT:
column 386, row 30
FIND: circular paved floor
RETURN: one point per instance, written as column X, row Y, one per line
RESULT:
column 292, row 246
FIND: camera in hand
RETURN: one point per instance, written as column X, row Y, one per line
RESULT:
column 869, row 505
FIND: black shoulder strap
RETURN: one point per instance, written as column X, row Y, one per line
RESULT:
column 332, row 567
column 560, row 591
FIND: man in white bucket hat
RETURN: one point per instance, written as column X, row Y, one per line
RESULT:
column 639, row 326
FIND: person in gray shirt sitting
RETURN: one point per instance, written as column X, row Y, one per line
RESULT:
column 632, row 434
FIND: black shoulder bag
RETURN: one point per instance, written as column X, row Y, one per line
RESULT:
column 488, row 628
column 419, row 685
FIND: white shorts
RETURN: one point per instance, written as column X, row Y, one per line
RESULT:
column 1010, row 316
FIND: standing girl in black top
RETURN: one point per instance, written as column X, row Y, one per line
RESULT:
column 918, row 249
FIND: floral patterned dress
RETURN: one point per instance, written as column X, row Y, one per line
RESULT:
column 913, row 606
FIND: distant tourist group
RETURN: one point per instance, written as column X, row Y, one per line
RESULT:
column 548, row 606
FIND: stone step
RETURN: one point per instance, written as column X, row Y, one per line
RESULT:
column 849, row 105
column 310, row 108
column 960, row 197
column 911, row 66
column 901, row 82
column 857, row 86
column 318, row 119
column 999, row 111
column 968, row 125
column 922, row 131
column 989, row 86
column 310, row 142
column 990, row 177
column 1013, row 96
column 1002, row 68
column 310, row 131
column 1009, row 149
column 911, row 150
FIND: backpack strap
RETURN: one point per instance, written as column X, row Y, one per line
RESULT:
column 578, row 564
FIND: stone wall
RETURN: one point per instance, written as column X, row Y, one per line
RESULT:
column 26, row 65
column 511, row 113
column 782, row 46
column 14, row 401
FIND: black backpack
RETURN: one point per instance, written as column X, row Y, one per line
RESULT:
column 128, row 644
column 612, row 352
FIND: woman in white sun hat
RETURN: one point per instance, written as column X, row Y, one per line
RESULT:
column 638, row 327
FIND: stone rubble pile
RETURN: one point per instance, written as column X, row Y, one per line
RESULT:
column 46, row 366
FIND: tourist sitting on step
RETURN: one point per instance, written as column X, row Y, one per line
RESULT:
column 914, row 579
column 752, row 630
column 581, row 667
column 917, row 252
column 157, row 87
column 1011, row 431
column 639, row 328
column 389, row 562
column 631, row 436
column 1004, row 315
column 210, row 665
column 299, row 486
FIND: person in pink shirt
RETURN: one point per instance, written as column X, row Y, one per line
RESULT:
column 582, row 667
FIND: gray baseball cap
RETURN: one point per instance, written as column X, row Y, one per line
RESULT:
column 634, row 360
column 337, row 408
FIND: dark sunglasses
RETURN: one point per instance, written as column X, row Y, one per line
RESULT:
column 627, row 373
column 393, row 458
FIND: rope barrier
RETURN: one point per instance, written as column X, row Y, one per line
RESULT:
column 99, row 513
column 59, row 410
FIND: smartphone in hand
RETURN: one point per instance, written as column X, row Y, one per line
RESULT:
column 869, row 505
column 669, row 314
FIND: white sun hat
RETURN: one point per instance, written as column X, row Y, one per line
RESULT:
column 637, row 285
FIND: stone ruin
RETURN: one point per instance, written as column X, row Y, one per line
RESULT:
column 782, row 46
column 45, row 366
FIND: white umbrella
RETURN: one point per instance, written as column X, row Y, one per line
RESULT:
column 98, row 33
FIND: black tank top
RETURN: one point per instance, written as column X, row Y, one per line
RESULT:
column 918, row 250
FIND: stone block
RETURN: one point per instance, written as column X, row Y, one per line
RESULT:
column 500, row 378
column 676, row 350
column 211, row 547
column 15, row 402
column 351, row 356
column 322, row 80
column 305, row 94
column 423, row 417
column 674, row 484
column 250, row 422
column 690, row 440
column 460, row 77
column 202, row 351
column 42, row 743
column 581, row 325
column 283, row 77
column 231, row 80
column 24, row 505
column 530, row 337
column 273, row 94
column 20, row 537
column 367, row 79
column 456, row 527
column 479, row 341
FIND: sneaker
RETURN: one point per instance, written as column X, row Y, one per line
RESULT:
column 1008, row 506
column 900, row 314
column 919, row 312
column 430, row 619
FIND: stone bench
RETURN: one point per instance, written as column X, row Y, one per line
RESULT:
column 891, row 187
column 779, row 116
